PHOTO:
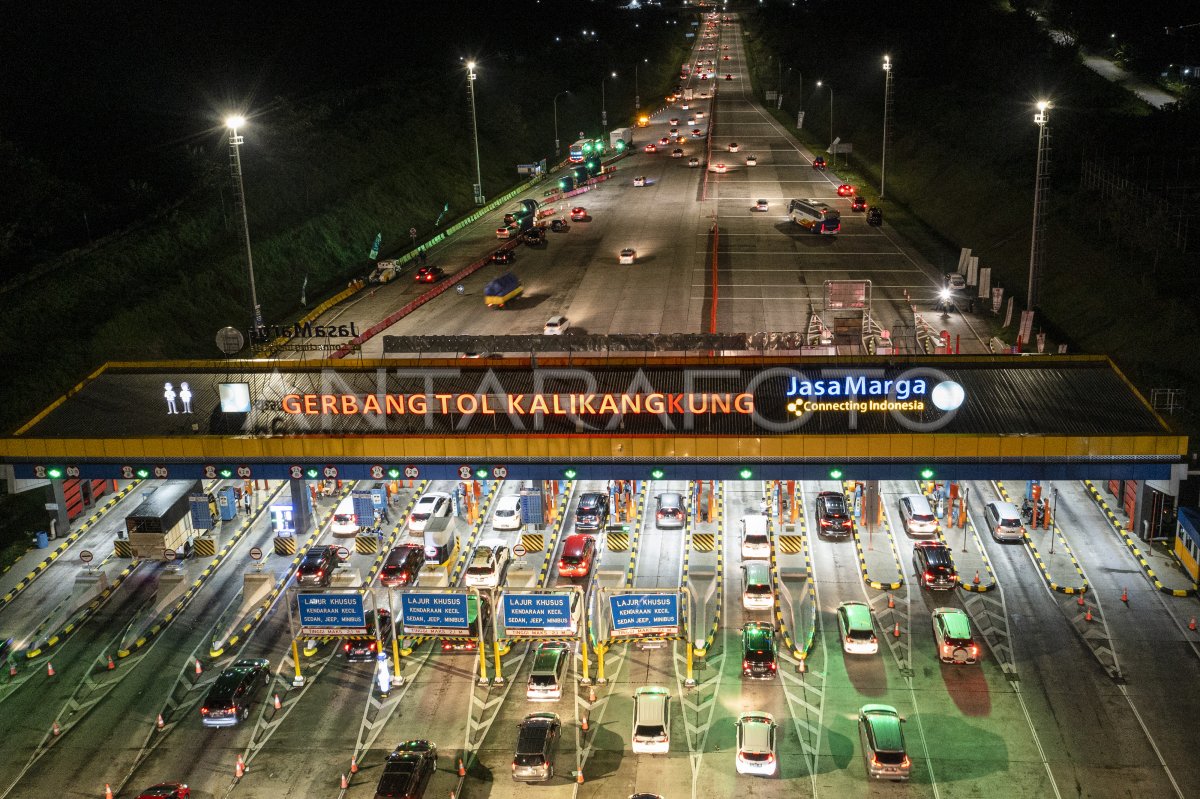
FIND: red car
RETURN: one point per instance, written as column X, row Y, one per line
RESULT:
column 579, row 214
column 577, row 554
column 166, row 790
column 429, row 274
column 845, row 190
column 664, row 141
column 650, row 148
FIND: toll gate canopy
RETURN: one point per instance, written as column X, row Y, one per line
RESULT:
column 723, row 417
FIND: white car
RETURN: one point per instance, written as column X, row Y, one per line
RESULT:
column 639, row 181
column 857, row 629
column 677, row 153
column 487, row 564
column 699, row 115
column 733, row 147
column 507, row 515
column 628, row 255
column 751, row 160
column 917, row 515
column 555, row 325
column 435, row 503
column 762, row 205
column 718, row 168
column 651, row 721
column 756, row 744
column 756, row 537
column 953, row 636
column 693, row 162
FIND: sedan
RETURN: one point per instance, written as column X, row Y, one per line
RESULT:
column 579, row 214
column 819, row 162
column 651, row 148
column 503, row 257
column 693, row 162
column 756, row 744
column 762, row 205
column 677, row 153
column 674, row 120
column 664, row 141
column 628, row 255
column 429, row 274
column 845, row 190
column 166, row 790
column 699, row 115
column 718, row 168
column 751, row 160
column 691, row 120
column 697, row 132
column 733, row 147
column 639, row 181
column 724, row 58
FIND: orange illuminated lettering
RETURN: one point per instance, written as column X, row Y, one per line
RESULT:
column 444, row 401
column 720, row 403
column 486, row 408
column 371, row 404
column 608, row 404
column 393, row 403
column 654, row 403
column 631, row 403
column 675, row 403
column 417, row 404
column 291, row 404
column 467, row 403
column 537, row 404
column 514, row 403
column 703, row 408
column 349, row 404
column 744, row 403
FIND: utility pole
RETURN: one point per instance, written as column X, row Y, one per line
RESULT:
column 887, row 122
column 1041, row 185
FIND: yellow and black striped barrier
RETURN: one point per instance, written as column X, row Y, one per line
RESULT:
column 366, row 544
column 791, row 544
column 704, row 542
column 122, row 548
column 533, row 542
column 618, row 542
column 204, row 546
column 285, row 545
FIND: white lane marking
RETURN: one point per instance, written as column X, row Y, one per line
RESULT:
column 1145, row 731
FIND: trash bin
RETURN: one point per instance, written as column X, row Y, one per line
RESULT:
column 43, row 539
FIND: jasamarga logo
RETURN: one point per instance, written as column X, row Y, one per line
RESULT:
column 902, row 389
column 306, row 330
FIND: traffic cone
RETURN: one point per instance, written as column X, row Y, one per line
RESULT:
column 278, row 704
column 579, row 776
column 240, row 769
column 107, row 791
column 345, row 783
column 976, row 580
column 584, row 724
column 803, row 665
column 1124, row 595
column 55, row 729
column 353, row 764
column 159, row 722
column 198, row 669
column 49, row 669
column 111, row 665
column 896, row 630
column 1080, row 600
column 1088, row 616
column 462, row 770
column 891, row 602
column 1192, row 624
column 591, row 693
column 12, row 670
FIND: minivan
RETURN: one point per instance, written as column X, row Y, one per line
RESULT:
column 233, row 693
column 508, row 513
column 317, row 566
column 756, row 540
column 537, row 739
column 402, row 565
column 592, row 511
column 879, row 730
column 549, row 670
column 651, row 721
column 756, row 588
column 1005, row 521
column 440, row 539
column 345, row 523
column 917, row 515
column 670, row 513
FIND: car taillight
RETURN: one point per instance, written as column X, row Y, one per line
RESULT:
column 825, row 522
column 371, row 646
column 905, row 763
column 320, row 572
column 849, row 640
column 974, row 651
column 772, row 665
column 929, row 577
column 446, row 647
column 745, row 664
column 203, row 711
column 346, row 647
column 546, row 764
column 770, row 758
column 947, row 649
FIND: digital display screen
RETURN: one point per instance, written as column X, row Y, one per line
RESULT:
column 235, row 397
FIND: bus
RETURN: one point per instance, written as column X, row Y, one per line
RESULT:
column 581, row 149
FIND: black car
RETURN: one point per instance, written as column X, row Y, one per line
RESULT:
column 558, row 226
column 859, row 203
column 503, row 257
column 758, row 651
column 233, row 693
column 833, row 519
column 819, row 162
column 317, row 566
column 367, row 648
column 429, row 274
column 402, row 565
column 533, row 237
column 592, row 511
column 933, row 565
column 407, row 771
column 875, row 216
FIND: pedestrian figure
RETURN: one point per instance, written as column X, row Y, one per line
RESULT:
column 170, row 395
column 246, row 501
column 185, row 396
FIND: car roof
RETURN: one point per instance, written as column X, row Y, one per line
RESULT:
column 512, row 500
column 885, row 727
column 956, row 622
column 858, row 615
column 756, row 731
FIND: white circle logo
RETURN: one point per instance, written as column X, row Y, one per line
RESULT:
column 947, row 396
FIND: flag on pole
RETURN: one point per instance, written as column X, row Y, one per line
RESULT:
column 445, row 208
column 375, row 247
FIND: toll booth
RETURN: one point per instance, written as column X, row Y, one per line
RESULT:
column 227, row 503
column 283, row 521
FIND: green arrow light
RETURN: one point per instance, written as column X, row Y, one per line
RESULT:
column 657, row 474
column 393, row 473
column 745, row 474
column 143, row 474
column 481, row 473
column 570, row 474
column 835, row 474
column 312, row 474
column 226, row 473
column 54, row 472
column 927, row 474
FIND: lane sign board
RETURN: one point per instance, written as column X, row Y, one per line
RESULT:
column 331, row 614
column 433, row 613
column 644, row 614
column 537, row 614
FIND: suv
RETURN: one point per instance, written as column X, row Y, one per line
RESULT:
column 933, row 566
column 917, row 515
column 758, row 651
column 651, row 721
column 367, row 648
column 488, row 564
column 407, row 771
column 592, row 511
column 435, row 503
column 549, row 672
column 670, row 512
column 833, row 519
column 231, row 696
column 879, row 729
column 537, row 739
column 402, row 566
column 317, row 566
column 952, row 633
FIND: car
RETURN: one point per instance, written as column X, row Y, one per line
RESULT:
column 650, row 148
column 578, row 552
column 704, row 76
column 674, row 120
column 673, row 131
column 651, row 721
column 882, row 737
column 234, row 692
column 845, row 190
column 488, row 564
column 752, row 160
column 683, row 106
column 755, row 534
column 691, row 121
column 917, row 516
column 534, row 237
column 664, row 141
column 699, row 115
column 728, row 77
column 733, row 147
column 874, row 216
column 592, row 511
column 725, row 46
column 952, row 634
column 693, row 162
column 556, row 325
column 933, row 566
column 476, row 621
column 166, row 790
column 758, row 651
column 857, row 629
column 1004, row 521
column 725, row 58
column 316, row 568
column 819, row 162
column 756, row 744
column 537, row 739
column 680, row 139
column 628, row 255
column 507, row 515
column 435, row 503
column 503, row 257
column 639, row 181
column 833, row 518
column 407, row 771
column 859, row 203
column 367, row 648
column 429, row 274
column 546, row 678
column 677, row 153
column 956, row 282
column 762, row 205
column 669, row 512
column 558, row 226
column 719, row 168
column 402, row 565
column 579, row 214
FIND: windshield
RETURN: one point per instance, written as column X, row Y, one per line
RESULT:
column 505, row 512
column 649, row 731
column 343, row 518
column 420, row 517
column 759, row 589
column 542, row 680
column 756, row 539
column 529, row 759
column 1012, row 524
column 922, row 517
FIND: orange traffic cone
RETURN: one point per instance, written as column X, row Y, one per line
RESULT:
column 107, row 791
column 159, row 722
column 111, row 665
column 353, row 764
column 976, row 580
column 891, row 602
column 462, row 770
column 896, row 630
column 49, row 669
column 1088, row 616
column 240, row 769
column 584, row 723
column 1079, row 601
column 579, row 776
column 345, row 782
column 54, row 729
column 12, row 670
column 1192, row 624
column 803, row 665
column 1124, row 595
column 198, row 669
column 278, row 704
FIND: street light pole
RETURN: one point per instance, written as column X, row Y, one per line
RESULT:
column 557, row 146
column 887, row 118
column 637, row 94
column 604, row 108
column 479, row 198
column 1040, row 185
column 235, row 155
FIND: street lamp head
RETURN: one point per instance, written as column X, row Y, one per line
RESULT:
column 1043, row 105
column 613, row 75
column 887, row 63
column 819, row 84
column 471, row 66
column 235, row 122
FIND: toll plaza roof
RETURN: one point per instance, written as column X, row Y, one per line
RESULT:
column 1027, row 412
